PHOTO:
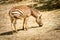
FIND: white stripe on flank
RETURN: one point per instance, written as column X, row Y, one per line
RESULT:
column 19, row 10
column 16, row 12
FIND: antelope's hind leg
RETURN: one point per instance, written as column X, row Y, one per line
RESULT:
column 14, row 24
column 13, row 21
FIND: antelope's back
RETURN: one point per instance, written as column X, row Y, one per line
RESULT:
column 25, row 10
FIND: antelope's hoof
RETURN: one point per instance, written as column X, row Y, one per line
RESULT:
column 15, row 31
column 40, row 25
column 25, row 29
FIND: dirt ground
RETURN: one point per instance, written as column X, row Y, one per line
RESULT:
column 50, row 20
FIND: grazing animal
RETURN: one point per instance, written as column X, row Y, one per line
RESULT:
column 24, row 12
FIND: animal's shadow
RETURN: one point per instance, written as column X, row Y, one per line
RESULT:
column 11, row 32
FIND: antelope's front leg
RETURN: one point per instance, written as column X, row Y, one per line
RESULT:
column 25, row 26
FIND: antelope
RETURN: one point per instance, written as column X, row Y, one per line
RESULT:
column 23, row 11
